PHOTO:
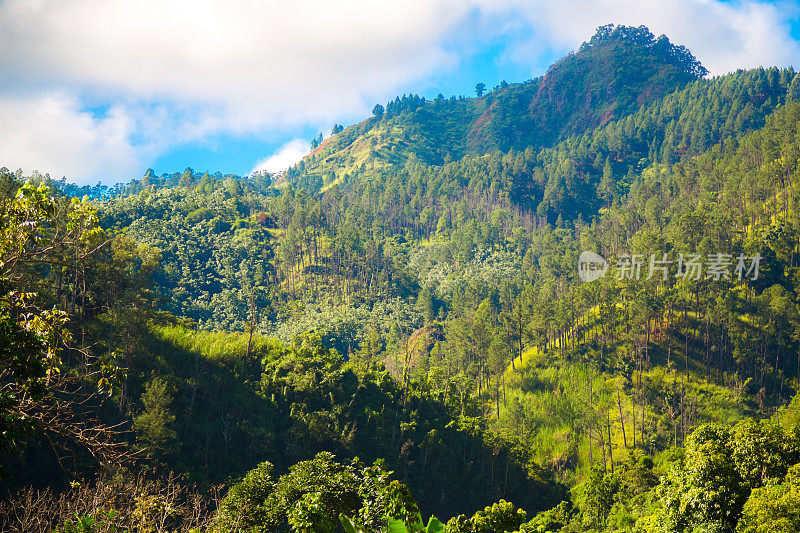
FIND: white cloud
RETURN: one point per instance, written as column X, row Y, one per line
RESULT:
column 49, row 133
column 286, row 156
column 256, row 63
column 178, row 71
column 185, row 70
column 724, row 36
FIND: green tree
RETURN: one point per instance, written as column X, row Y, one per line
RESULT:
column 599, row 497
column 500, row 517
column 710, row 487
column 247, row 506
column 38, row 390
column 153, row 425
column 23, row 371
column 775, row 508
column 312, row 497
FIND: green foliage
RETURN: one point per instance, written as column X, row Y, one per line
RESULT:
column 610, row 500
column 315, row 496
column 599, row 497
column 36, row 233
column 499, row 517
column 328, row 403
column 214, row 252
column 153, row 425
column 553, row 520
column 395, row 526
column 773, row 508
column 763, row 451
column 308, row 515
column 91, row 523
column 710, row 487
column 247, row 505
column 418, row 271
column 22, row 356
column 346, row 328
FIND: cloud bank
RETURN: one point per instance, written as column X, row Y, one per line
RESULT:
column 165, row 73
column 50, row 132
column 286, row 156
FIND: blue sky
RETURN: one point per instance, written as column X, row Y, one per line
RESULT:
column 101, row 91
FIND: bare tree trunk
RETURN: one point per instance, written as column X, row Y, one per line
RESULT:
column 610, row 442
column 621, row 419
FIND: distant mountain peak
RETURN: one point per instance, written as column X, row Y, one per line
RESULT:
column 612, row 75
column 618, row 70
column 642, row 36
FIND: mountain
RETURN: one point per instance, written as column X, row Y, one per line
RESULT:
column 612, row 75
column 577, row 136
column 409, row 295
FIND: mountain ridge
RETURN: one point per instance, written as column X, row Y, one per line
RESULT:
column 618, row 70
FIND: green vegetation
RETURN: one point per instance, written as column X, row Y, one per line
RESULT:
column 393, row 336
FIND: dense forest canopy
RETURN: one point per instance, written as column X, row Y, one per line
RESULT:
column 393, row 334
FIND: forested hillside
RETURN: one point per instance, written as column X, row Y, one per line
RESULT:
column 397, row 327
column 618, row 71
